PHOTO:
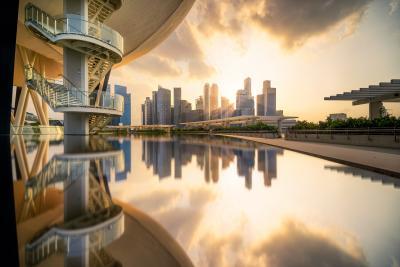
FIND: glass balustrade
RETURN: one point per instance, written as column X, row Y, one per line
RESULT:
column 73, row 24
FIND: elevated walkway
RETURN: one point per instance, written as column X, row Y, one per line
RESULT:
column 383, row 160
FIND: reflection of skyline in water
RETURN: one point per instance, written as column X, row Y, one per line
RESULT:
column 203, row 219
column 209, row 154
column 364, row 174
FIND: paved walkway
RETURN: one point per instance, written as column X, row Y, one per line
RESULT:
column 386, row 161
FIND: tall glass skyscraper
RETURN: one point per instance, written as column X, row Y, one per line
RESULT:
column 206, row 101
column 125, row 119
column 163, row 106
column 177, row 105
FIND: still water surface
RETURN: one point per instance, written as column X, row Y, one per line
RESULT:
column 226, row 202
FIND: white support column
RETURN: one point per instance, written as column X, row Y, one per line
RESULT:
column 76, row 70
column 76, row 130
column 375, row 110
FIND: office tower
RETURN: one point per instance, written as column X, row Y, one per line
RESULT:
column 244, row 103
column 199, row 109
column 247, row 85
column 199, row 103
column 260, row 105
column 206, row 108
column 186, row 109
column 154, row 107
column 269, row 98
column 143, row 115
column 266, row 86
column 226, row 108
column 163, row 106
column 214, row 101
column 271, row 102
column 125, row 119
column 177, row 105
column 148, row 111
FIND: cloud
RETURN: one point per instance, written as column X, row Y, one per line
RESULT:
column 212, row 15
column 157, row 66
column 293, row 22
column 393, row 6
column 181, row 45
column 199, row 70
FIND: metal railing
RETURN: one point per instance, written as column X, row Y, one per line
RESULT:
column 386, row 131
column 54, row 171
column 61, row 93
column 100, row 228
column 73, row 24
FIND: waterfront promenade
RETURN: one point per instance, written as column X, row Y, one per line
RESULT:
column 382, row 160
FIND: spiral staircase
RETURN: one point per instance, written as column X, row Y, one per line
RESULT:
column 101, row 45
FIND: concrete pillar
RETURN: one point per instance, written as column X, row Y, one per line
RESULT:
column 279, row 122
column 375, row 110
column 76, row 123
column 76, row 68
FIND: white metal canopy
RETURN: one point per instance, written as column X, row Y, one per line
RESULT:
column 384, row 92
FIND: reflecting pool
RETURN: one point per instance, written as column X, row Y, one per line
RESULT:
column 197, row 201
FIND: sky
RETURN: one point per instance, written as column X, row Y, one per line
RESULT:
column 308, row 49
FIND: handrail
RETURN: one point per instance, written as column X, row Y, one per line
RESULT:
column 74, row 24
column 63, row 94
column 348, row 131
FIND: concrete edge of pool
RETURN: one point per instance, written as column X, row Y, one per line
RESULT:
column 385, row 163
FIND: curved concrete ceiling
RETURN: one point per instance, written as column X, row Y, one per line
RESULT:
column 144, row 24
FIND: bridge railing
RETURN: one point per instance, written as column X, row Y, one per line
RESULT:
column 384, row 131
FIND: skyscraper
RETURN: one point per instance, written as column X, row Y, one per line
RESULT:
column 260, row 105
column 125, row 119
column 247, row 85
column 143, row 114
column 269, row 98
column 163, row 106
column 148, row 111
column 271, row 102
column 199, row 103
column 186, row 108
column 244, row 103
column 154, row 107
column 226, row 108
column 206, row 101
column 214, row 101
column 177, row 105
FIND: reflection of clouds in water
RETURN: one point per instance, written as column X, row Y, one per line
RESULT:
column 293, row 244
column 182, row 221
column 156, row 201
column 181, row 216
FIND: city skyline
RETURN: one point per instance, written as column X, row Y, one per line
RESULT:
column 300, row 61
column 209, row 106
